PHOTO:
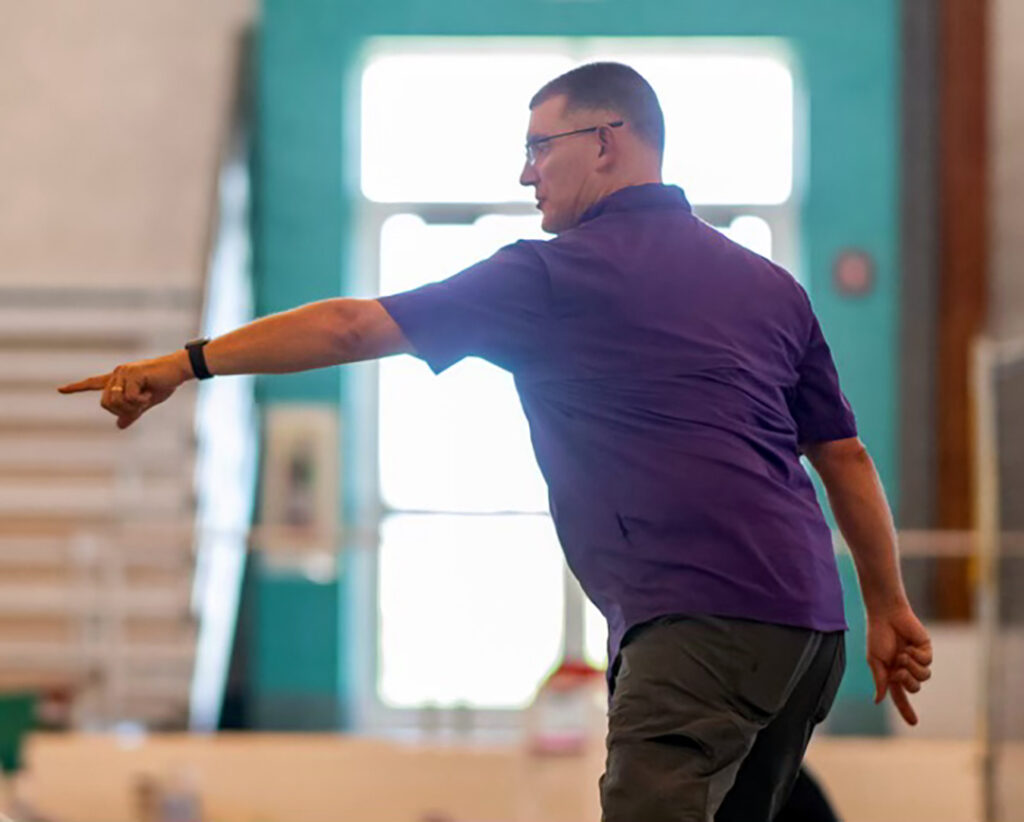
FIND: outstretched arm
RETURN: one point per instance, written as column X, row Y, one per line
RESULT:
column 329, row 332
column 899, row 648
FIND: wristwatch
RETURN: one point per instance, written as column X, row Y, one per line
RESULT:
column 196, row 357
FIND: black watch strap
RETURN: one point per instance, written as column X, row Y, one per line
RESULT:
column 197, row 358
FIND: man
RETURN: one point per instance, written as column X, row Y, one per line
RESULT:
column 671, row 379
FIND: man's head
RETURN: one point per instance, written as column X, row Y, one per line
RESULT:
column 618, row 140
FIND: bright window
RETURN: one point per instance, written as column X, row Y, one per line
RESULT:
column 728, row 121
column 470, row 609
column 453, row 627
column 458, row 441
column 752, row 232
column 595, row 637
column 449, row 127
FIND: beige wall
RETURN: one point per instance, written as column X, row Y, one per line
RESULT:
column 1007, row 171
column 111, row 116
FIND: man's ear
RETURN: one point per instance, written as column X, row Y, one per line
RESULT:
column 605, row 140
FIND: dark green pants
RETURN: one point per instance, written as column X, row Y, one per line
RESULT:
column 710, row 717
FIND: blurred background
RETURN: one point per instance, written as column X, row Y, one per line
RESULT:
column 338, row 594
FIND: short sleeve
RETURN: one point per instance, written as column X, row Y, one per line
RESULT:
column 817, row 403
column 495, row 310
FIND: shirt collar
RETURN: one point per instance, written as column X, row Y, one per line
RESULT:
column 635, row 198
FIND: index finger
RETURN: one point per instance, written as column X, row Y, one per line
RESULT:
column 97, row 383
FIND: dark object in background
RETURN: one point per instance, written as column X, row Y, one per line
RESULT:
column 807, row 802
column 17, row 718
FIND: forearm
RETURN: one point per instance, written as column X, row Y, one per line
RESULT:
column 862, row 513
column 320, row 334
column 310, row 336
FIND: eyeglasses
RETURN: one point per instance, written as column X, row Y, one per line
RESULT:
column 532, row 145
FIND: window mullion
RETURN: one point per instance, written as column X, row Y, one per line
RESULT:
column 574, row 627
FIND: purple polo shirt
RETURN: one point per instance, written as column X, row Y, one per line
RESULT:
column 668, row 375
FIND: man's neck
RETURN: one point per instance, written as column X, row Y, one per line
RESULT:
column 639, row 180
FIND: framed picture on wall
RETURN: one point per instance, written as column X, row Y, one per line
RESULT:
column 300, row 481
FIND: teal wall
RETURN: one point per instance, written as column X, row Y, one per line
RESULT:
column 293, row 668
column 848, row 57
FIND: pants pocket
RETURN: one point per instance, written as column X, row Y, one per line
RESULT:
column 775, row 659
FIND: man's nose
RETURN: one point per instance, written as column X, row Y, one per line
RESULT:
column 528, row 176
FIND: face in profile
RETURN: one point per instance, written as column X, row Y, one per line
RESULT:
column 561, row 168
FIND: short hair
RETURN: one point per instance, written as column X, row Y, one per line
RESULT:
column 612, row 86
